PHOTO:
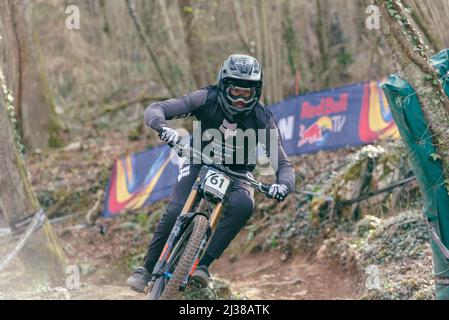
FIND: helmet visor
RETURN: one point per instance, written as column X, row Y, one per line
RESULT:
column 239, row 94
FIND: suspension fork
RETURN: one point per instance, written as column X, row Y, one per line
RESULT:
column 179, row 226
column 215, row 218
column 216, row 215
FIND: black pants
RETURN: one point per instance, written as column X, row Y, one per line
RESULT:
column 238, row 208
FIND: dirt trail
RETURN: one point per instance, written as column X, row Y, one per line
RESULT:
column 256, row 276
column 265, row 276
column 262, row 277
column 259, row 277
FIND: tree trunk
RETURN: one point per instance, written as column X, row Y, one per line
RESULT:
column 292, row 45
column 424, row 25
column 414, row 64
column 269, row 86
column 198, row 63
column 178, row 61
column 256, row 20
column 169, row 28
column 322, row 36
column 240, row 24
column 149, row 48
column 42, row 255
column 40, row 126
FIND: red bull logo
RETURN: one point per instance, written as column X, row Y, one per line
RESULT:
column 317, row 133
column 326, row 107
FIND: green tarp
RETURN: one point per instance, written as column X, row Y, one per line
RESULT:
column 416, row 135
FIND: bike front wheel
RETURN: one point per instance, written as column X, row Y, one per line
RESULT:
column 167, row 286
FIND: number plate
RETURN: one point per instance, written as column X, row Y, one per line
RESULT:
column 216, row 183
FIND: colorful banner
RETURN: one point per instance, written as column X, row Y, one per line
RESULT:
column 347, row 116
column 140, row 179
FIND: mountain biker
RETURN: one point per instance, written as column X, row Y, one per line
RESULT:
column 231, row 104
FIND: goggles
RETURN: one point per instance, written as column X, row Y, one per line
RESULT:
column 239, row 94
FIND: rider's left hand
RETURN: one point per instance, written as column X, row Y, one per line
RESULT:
column 278, row 192
column 169, row 135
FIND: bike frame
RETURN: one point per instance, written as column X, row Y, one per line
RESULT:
column 198, row 203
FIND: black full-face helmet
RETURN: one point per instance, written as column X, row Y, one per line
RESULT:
column 239, row 85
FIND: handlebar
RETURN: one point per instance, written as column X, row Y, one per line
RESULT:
column 179, row 148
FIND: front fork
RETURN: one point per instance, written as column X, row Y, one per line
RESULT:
column 181, row 223
column 185, row 216
column 183, row 220
column 196, row 260
column 215, row 217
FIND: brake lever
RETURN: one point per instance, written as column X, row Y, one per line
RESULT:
column 261, row 187
column 264, row 188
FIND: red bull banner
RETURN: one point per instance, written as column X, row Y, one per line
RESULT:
column 347, row 116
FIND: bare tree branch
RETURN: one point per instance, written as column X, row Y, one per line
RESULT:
column 143, row 38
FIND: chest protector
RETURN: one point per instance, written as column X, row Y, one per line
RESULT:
column 231, row 142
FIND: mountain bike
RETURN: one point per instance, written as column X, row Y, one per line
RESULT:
column 194, row 227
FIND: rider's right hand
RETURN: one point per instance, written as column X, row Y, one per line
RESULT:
column 278, row 192
column 169, row 135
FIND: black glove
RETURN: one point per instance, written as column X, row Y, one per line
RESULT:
column 169, row 135
column 278, row 192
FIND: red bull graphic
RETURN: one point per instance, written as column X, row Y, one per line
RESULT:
column 327, row 106
column 320, row 131
column 347, row 116
column 317, row 133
